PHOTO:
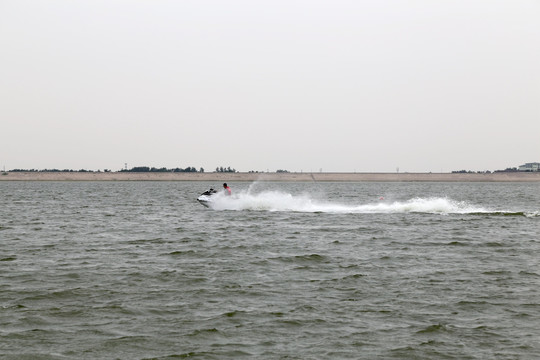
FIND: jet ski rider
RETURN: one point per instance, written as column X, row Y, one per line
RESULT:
column 226, row 189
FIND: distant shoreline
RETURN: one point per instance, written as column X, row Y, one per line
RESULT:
column 285, row 177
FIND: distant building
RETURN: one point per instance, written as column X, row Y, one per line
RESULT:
column 530, row 167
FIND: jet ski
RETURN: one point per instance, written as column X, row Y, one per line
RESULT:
column 206, row 197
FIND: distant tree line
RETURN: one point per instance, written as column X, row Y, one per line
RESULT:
column 189, row 169
column 508, row 170
column 513, row 169
column 163, row 169
column 135, row 169
column 471, row 172
column 56, row 170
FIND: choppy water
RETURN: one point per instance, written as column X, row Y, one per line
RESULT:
column 140, row 270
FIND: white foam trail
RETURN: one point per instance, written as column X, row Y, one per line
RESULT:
column 434, row 205
column 280, row 201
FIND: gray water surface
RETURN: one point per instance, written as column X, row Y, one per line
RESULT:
column 140, row 270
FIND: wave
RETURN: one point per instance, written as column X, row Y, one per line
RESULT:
column 280, row 201
column 511, row 213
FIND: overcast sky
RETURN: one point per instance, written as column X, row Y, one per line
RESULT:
column 366, row 86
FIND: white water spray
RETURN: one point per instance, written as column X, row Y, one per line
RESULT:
column 280, row 201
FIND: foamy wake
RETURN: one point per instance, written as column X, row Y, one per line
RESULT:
column 279, row 201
